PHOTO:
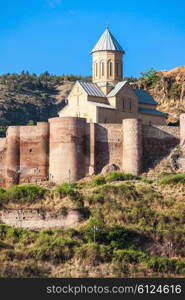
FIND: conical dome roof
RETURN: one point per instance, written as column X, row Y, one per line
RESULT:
column 107, row 42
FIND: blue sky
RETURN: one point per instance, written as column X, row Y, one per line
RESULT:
column 57, row 35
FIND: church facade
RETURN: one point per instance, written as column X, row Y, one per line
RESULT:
column 108, row 98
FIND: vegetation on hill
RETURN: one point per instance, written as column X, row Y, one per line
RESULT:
column 168, row 89
column 29, row 98
column 134, row 228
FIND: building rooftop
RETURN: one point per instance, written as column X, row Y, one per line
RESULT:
column 102, row 105
column 145, row 97
column 151, row 111
column 116, row 89
column 92, row 89
column 107, row 42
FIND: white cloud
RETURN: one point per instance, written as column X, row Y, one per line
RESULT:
column 54, row 3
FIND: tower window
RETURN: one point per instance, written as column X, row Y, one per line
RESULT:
column 110, row 68
column 123, row 104
column 117, row 69
column 130, row 105
column 96, row 69
column 102, row 69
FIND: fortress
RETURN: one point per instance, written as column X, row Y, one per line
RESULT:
column 104, row 122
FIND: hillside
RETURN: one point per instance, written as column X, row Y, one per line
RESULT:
column 131, row 227
column 168, row 89
column 28, row 97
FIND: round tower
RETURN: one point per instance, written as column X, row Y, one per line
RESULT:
column 12, row 156
column 67, row 149
column 107, row 60
column 132, row 146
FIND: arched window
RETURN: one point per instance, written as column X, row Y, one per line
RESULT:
column 121, row 71
column 123, row 103
column 130, row 105
column 117, row 69
column 96, row 69
column 110, row 68
column 102, row 68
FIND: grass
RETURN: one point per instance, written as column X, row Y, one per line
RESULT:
column 112, row 177
column 172, row 179
column 119, row 176
column 126, row 233
column 22, row 194
column 61, row 248
column 69, row 190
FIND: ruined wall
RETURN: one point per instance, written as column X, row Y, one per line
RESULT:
column 158, row 141
column 35, row 219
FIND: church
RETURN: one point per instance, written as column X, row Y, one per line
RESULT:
column 109, row 98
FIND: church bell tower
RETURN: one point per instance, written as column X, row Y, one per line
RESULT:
column 107, row 62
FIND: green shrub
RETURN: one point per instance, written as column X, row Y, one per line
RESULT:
column 117, row 237
column 163, row 265
column 129, row 255
column 2, row 193
column 119, row 176
column 53, row 246
column 98, row 180
column 146, row 180
column 23, row 193
column 17, row 235
column 176, row 178
column 67, row 189
column 124, row 191
column 93, row 253
column 95, row 231
column 174, row 91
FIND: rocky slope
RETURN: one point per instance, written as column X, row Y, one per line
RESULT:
column 169, row 91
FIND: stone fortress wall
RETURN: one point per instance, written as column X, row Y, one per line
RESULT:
column 67, row 149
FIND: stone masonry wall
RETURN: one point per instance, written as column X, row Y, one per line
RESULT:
column 35, row 219
column 34, row 153
column 158, row 141
column 108, row 145
column 2, row 161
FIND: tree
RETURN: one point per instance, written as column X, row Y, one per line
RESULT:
column 31, row 123
column 149, row 78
